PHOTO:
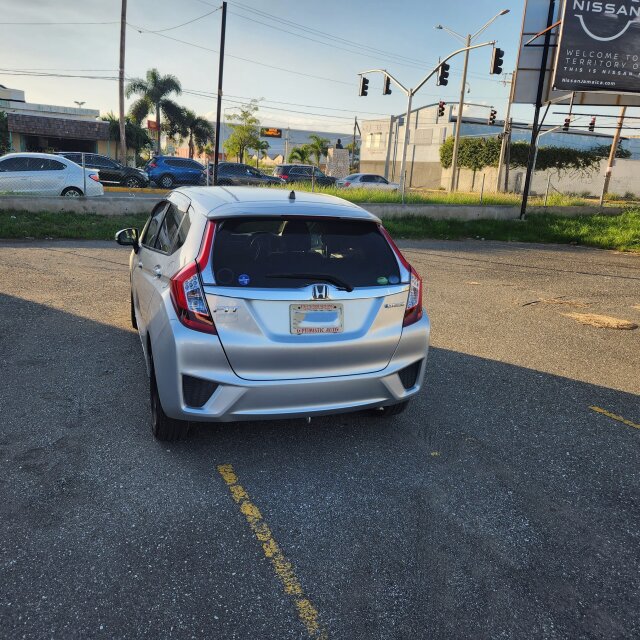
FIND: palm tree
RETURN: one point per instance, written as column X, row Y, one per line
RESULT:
column 300, row 154
column 154, row 92
column 318, row 147
column 137, row 137
column 197, row 129
column 261, row 150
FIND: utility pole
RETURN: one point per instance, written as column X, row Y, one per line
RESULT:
column 286, row 146
column 123, row 131
column 506, row 136
column 612, row 155
column 223, row 30
column 456, row 141
column 353, row 149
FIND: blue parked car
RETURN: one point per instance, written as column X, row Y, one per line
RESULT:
column 168, row 171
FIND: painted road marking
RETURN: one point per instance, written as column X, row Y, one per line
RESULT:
column 284, row 569
column 613, row 416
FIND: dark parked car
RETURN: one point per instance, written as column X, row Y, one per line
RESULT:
column 110, row 172
column 235, row 174
column 167, row 171
column 303, row 173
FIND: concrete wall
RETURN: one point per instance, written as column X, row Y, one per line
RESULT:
column 625, row 179
column 120, row 206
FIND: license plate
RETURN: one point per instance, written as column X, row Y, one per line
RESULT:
column 316, row 318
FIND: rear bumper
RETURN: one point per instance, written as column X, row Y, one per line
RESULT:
column 179, row 351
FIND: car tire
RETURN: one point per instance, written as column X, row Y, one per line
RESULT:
column 134, row 322
column 164, row 428
column 72, row 192
column 167, row 181
column 391, row 410
column 132, row 183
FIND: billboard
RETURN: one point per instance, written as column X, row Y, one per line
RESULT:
column 599, row 47
column 530, row 59
column 271, row 132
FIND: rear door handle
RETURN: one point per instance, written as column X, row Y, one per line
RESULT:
column 157, row 271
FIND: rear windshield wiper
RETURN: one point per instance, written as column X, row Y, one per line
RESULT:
column 313, row 276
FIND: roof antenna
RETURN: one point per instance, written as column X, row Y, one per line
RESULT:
column 292, row 195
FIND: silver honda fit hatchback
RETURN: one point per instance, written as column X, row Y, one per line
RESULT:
column 257, row 304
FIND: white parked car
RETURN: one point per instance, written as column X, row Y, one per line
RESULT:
column 366, row 181
column 46, row 174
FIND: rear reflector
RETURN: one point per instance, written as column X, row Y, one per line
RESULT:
column 409, row 375
column 196, row 391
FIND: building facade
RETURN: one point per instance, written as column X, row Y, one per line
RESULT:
column 50, row 128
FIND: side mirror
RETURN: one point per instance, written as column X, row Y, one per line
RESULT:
column 128, row 238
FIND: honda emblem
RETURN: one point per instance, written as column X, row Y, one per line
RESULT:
column 320, row 292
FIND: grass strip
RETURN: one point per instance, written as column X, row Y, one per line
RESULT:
column 621, row 232
column 67, row 225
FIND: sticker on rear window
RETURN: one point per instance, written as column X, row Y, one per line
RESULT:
column 394, row 280
column 383, row 280
column 244, row 279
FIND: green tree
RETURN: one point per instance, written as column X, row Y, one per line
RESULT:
column 4, row 133
column 300, row 154
column 318, row 147
column 137, row 137
column 245, row 131
column 154, row 94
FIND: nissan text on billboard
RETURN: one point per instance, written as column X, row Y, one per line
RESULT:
column 599, row 48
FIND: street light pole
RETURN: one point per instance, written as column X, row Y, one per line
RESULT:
column 405, row 144
column 456, row 142
column 506, row 137
column 467, row 40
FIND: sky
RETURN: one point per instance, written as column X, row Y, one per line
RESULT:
column 301, row 58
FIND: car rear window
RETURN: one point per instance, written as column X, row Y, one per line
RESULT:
column 270, row 253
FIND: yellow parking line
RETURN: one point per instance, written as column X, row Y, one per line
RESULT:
column 613, row 416
column 284, row 569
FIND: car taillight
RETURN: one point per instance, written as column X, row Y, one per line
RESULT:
column 284, row 176
column 95, row 177
column 413, row 311
column 347, row 184
column 187, row 293
column 153, row 165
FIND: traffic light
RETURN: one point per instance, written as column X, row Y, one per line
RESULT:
column 364, row 86
column 443, row 75
column 567, row 124
column 592, row 124
column 386, row 90
column 492, row 116
column 497, row 60
column 441, row 105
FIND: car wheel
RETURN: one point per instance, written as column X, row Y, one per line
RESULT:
column 132, row 183
column 166, row 182
column 392, row 410
column 134, row 322
column 72, row 192
column 163, row 427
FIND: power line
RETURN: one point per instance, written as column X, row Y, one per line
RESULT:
column 210, row 13
column 324, row 34
column 54, row 24
column 262, row 64
column 326, row 44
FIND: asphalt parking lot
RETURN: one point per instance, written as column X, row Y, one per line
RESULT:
column 503, row 504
